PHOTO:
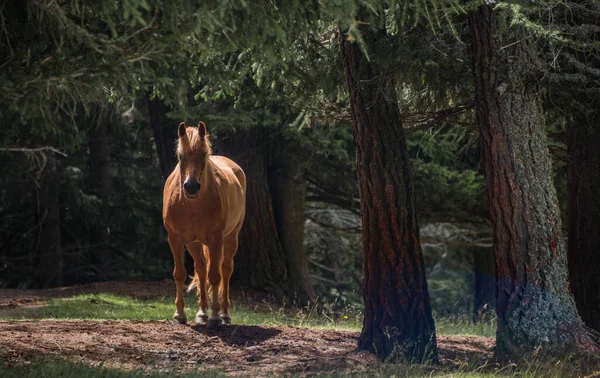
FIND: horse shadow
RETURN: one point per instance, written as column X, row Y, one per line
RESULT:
column 238, row 335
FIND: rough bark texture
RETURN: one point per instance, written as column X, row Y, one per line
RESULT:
column 98, row 185
column 260, row 261
column 398, row 323
column 485, row 282
column 584, row 216
column 50, row 251
column 164, row 132
column 288, row 189
column 534, row 306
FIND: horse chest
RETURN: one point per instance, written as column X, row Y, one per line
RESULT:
column 194, row 224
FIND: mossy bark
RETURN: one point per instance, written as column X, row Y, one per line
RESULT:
column 398, row 323
column 533, row 303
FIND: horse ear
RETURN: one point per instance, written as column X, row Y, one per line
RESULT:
column 202, row 129
column 181, row 129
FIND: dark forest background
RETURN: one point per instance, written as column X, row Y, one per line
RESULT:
column 91, row 94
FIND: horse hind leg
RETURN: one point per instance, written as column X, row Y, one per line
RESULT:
column 179, row 274
column 196, row 249
column 229, row 249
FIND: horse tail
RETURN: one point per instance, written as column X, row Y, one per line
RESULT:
column 195, row 284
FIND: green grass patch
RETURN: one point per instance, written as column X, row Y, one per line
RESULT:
column 464, row 326
column 51, row 368
column 115, row 307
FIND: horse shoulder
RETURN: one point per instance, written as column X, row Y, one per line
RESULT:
column 170, row 194
column 226, row 166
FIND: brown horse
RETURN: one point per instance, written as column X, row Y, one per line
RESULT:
column 204, row 204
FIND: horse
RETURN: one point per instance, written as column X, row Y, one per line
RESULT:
column 204, row 205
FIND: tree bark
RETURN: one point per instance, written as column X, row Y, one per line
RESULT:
column 260, row 261
column 164, row 132
column 398, row 322
column 584, row 216
column 50, row 251
column 98, row 185
column 485, row 282
column 288, row 188
column 533, row 304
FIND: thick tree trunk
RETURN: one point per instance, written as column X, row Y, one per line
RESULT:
column 584, row 217
column 485, row 282
column 98, row 185
column 398, row 323
column 288, row 188
column 534, row 306
column 50, row 272
column 164, row 132
column 260, row 261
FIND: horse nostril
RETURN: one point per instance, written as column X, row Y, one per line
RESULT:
column 191, row 186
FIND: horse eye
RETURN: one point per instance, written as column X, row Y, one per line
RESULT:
column 180, row 156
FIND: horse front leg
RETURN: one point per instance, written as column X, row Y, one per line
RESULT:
column 215, row 250
column 179, row 274
column 196, row 249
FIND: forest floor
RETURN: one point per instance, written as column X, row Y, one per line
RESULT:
column 148, row 345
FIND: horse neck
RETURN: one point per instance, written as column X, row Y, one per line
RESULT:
column 208, row 177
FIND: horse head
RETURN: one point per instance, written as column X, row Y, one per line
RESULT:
column 193, row 150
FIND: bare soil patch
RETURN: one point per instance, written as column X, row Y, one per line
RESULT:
column 235, row 349
column 247, row 350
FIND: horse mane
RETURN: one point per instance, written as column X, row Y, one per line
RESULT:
column 194, row 141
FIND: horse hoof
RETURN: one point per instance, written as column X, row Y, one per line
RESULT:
column 179, row 319
column 201, row 318
column 226, row 319
column 213, row 323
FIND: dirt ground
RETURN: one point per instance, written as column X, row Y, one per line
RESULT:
column 235, row 349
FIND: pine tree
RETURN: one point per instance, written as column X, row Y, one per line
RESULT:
column 398, row 323
column 533, row 304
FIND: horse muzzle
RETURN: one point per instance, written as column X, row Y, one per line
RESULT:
column 191, row 188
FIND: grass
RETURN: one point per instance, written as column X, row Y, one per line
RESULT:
column 46, row 368
column 115, row 307
column 66, row 369
column 464, row 326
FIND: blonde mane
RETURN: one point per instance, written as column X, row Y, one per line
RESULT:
column 193, row 142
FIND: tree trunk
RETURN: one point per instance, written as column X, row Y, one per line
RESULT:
column 98, row 185
column 260, row 261
column 485, row 283
column 398, row 323
column 50, row 272
column 164, row 132
column 584, row 217
column 288, row 188
column 533, row 304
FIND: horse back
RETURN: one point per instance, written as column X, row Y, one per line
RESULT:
column 231, row 180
